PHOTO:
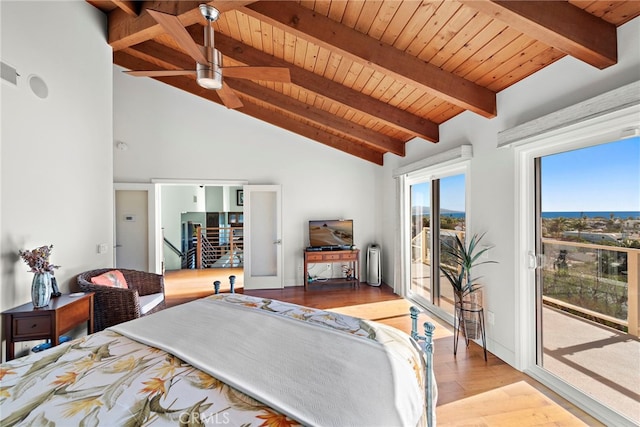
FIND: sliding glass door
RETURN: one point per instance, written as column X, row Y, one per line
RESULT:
column 587, row 214
column 437, row 213
column 421, row 284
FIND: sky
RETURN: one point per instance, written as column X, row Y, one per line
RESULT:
column 600, row 178
column 451, row 193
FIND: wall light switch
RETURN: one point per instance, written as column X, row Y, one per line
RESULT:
column 103, row 248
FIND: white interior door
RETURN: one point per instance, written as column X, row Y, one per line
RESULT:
column 132, row 230
column 137, row 237
column 263, row 237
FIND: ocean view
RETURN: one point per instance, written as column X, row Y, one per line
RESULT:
column 547, row 215
column 601, row 214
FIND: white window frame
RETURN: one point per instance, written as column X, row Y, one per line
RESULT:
column 607, row 118
column 449, row 163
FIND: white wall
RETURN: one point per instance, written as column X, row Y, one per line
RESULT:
column 214, row 201
column 174, row 135
column 492, row 171
column 231, row 199
column 56, row 153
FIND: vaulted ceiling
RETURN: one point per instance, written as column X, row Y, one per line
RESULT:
column 368, row 76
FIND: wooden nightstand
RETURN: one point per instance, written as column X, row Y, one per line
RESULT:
column 26, row 323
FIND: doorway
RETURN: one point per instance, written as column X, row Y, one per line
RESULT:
column 136, row 233
column 160, row 255
column 263, row 227
column 132, row 230
column 165, row 209
column 586, row 245
column 571, row 181
column 202, row 225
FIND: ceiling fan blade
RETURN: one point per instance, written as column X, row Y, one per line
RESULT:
column 229, row 97
column 160, row 73
column 276, row 74
column 175, row 29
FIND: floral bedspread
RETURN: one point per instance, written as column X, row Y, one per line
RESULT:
column 108, row 379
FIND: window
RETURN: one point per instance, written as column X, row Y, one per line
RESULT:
column 437, row 213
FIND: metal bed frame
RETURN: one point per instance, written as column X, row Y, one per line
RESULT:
column 426, row 343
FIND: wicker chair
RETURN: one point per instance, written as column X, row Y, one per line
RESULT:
column 115, row 305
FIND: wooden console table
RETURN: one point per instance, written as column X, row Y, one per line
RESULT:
column 351, row 257
column 26, row 323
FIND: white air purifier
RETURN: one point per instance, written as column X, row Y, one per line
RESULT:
column 374, row 271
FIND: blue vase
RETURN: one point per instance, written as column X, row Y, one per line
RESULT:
column 41, row 289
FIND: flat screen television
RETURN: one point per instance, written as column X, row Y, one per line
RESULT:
column 331, row 234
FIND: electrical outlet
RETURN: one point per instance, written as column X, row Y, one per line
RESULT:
column 491, row 318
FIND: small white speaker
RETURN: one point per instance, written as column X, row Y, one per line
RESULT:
column 374, row 270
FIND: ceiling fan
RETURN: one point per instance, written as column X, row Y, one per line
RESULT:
column 209, row 70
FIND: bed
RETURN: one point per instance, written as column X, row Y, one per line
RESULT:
column 228, row 359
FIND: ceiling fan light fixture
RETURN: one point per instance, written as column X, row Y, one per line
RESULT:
column 209, row 68
column 208, row 77
column 210, row 83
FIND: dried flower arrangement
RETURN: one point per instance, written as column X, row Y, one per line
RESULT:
column 38, row 259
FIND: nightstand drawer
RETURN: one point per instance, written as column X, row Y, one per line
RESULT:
column 350, row 256
column 314, row 257
column 330, row 257
column 28, row 326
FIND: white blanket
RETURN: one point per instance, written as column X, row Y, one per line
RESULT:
column 313, row 374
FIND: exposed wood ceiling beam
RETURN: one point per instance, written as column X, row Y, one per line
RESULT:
column 161, row 56
column 558, row 24
column 329, row 34
column 149, row 51
column 366, row 136
column 313, row 133
column 126, row 30
column 129, row 6
column 388, row 114
column 190, row 85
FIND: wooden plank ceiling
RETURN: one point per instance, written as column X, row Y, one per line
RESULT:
column 368, row 76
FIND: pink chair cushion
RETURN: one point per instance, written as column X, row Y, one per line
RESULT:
column 113, row 278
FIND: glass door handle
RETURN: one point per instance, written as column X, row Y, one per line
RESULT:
column 278, row 242
column 533, row 260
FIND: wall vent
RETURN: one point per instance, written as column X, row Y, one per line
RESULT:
column 9, row 74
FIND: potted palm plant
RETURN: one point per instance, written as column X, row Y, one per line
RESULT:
column 467, row 294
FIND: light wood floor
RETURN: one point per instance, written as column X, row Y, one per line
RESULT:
column 471, row 392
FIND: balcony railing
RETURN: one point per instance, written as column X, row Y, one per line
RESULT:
column 596, row 282
column 219, row 247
